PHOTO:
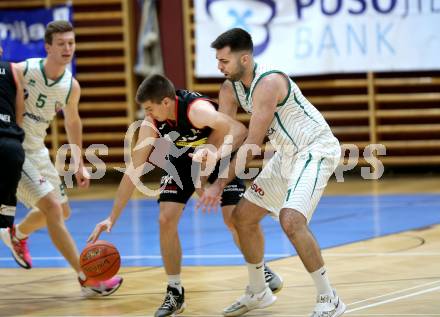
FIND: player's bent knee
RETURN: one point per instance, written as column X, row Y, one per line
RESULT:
column 236, row 218
column 167, row 221
column 247, row 214
column 292, row 222
column 51, row 207
column 227, row 217
column 240, row 219
column 66, row 211
column 169, row 215
column 229, row 224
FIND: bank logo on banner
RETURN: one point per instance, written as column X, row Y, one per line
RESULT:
column 238, row 14
column 22, row 31
column 304, row 37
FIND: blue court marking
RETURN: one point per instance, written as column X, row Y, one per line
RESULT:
column 205, row 240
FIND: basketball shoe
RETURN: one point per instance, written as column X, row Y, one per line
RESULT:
column 250, row 301
column 328, row 306
column 90, row 288
column 274, row 281
column 173, row 304
column 19, row 248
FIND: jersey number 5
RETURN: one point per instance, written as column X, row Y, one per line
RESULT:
column 41, row 101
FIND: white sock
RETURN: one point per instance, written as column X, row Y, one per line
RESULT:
column 321, row 281
column 18, row 234
column 82, row 276
column 257, row 283
column 174, row 281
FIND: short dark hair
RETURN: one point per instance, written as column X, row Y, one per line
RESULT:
column 154, row 88
column 237, row 39
column 53, row 27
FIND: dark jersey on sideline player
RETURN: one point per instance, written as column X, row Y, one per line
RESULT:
column 8, row 91
column 11, row 150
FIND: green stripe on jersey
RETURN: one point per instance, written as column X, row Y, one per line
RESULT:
column 284, row 129
column 304, row 168
column 26, row 68
column 44, row 75
column 316, row 178
column 302, row 107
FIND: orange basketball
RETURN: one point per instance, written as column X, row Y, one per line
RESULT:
column 100, row 260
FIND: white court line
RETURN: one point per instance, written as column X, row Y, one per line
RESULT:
column 396, row 292
column 235, row 256
column 135, row 257
column 35, row 258
column 391, row 254
column 433, row 289
column 334, row 254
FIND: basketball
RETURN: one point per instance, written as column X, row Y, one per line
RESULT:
column 100, row 261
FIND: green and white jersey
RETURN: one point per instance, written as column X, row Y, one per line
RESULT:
column 296, row 124
column 43, row 99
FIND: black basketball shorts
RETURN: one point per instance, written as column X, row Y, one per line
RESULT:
column 11, row 163
column 171, row 192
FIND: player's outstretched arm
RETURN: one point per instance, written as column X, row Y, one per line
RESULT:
column 141, row 152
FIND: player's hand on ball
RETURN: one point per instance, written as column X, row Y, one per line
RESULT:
column 105, row 225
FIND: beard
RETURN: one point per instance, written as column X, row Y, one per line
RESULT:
column 236, row 76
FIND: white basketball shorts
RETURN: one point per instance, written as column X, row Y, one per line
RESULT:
column 38, row 178
column 295, row 181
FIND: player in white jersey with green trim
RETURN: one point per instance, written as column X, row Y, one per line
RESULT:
column 49, row 88
column 44, row 98
column 292, row 182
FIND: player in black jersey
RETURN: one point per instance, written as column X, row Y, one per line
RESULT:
column 11, row 137
column 182, row 121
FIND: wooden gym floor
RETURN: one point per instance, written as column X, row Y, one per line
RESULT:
column 392, row 275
